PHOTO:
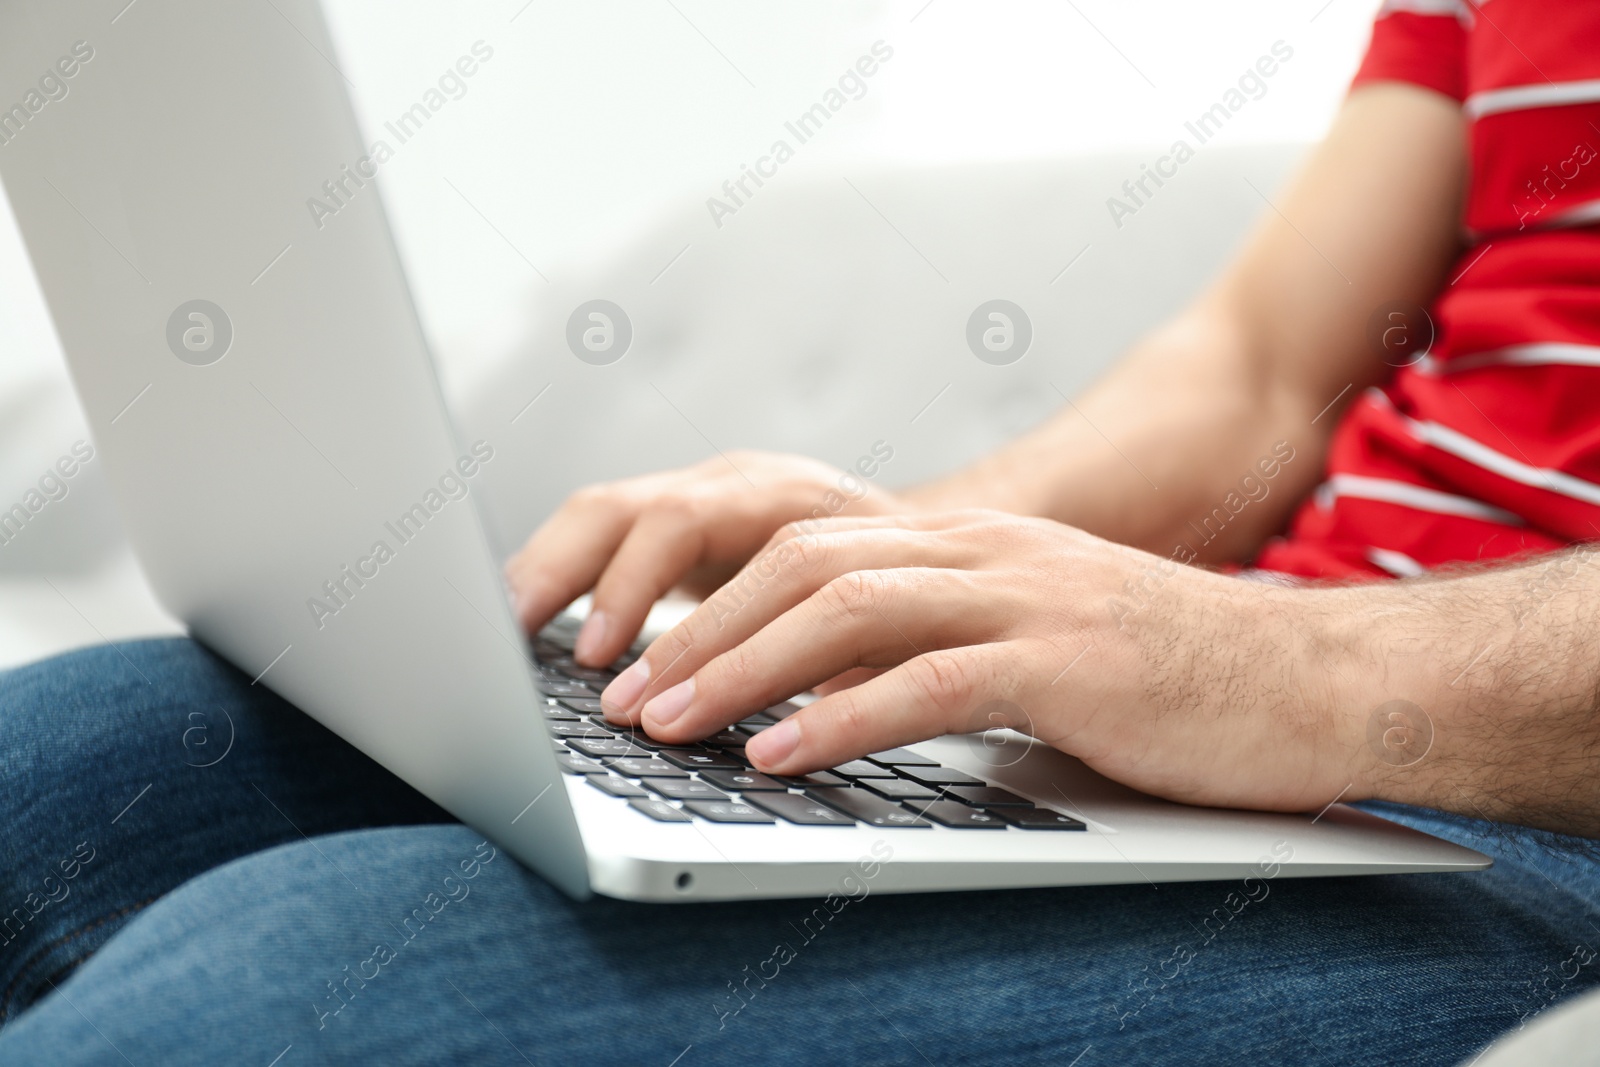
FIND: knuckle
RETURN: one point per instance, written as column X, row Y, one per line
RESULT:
column 669, row 648
column 675, row 506
column 846, row 717
column 793, row 530
column 855, row 595
column 945, row 680
column 807, row 555
column 735, row 671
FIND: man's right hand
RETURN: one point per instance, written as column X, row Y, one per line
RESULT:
column 631, row 541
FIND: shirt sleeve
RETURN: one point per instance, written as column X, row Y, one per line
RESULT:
column 1422, row 42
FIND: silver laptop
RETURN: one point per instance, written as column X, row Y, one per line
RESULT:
column 203, row 214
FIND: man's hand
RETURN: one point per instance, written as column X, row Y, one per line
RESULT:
column 1181, row 682
column 1172, row 679
column 633, row 540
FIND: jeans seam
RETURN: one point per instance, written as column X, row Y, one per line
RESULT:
column 22, row 972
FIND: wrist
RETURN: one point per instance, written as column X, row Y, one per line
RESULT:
column 1442, row 703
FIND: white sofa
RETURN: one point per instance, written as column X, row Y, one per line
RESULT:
column 824, row 316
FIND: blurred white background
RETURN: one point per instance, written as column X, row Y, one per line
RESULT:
column 595, row 121
column 591, row 116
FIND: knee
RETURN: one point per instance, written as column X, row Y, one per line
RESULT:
column 64, row 719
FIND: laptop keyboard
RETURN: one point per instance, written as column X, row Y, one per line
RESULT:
column 711, row 780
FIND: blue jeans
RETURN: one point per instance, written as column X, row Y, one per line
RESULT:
column 194, row 872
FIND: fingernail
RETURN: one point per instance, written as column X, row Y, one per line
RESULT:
column 774, row 744
column 590, row 637
column 626, row 688
column 665, row 707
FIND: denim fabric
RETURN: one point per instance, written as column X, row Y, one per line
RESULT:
column 129, row 770
column 423, row 945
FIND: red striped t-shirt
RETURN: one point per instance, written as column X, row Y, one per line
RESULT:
column 1489, row 445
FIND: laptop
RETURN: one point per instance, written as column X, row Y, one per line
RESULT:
column 205, row 220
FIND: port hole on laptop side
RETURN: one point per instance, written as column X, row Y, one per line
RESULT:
column 684, row 881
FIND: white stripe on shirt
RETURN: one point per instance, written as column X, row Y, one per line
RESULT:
column 1463, row 447
column 1522, row 97
column 1458, row 8
column 1482, row 456
column 1396, row 563
column 1419, row 497
column 1537, row 354
column 1582, row 215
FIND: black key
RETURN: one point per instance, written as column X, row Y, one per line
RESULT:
column 617, row 787
column 811, row 780
column 636, row 767
column 900, row 789
column 902, row 757
column 938, row 776
column 545, row 649
column 726, row 811
column 564, row 688
column 659, row 810
column 779, row 712
column 558, row 637
column 685, row 789
column 691, row 759
column 792, row 807
column 573, row 763
column 868, row 807
column 578, row 729
column 590, row 675
column 743, row 781
column 860, row 768
column 959, row 816
column 760, row 720
column 727, row 739
column 606, row 746
column 587, row 705
column 986, row 796
column 1038, row 819
column 557, row 713
column 638, row 737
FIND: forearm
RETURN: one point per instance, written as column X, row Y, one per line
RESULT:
column 1269, row 354
column 1501, row 672
column 1181, row 427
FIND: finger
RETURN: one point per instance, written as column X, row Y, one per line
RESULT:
column 567, row 553
column 772, row 583
column 665, row 542
column 854, row 676
column 929, row 696
column 932, row 520
column 860, row 619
